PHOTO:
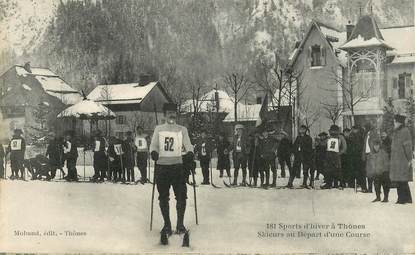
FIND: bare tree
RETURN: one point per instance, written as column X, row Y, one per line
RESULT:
column 352, row 94
column 105, row 95
column 237, row 86
column 308, row 113
column 332, row 112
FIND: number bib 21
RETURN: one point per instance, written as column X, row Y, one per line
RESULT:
column 16, row 144
column 333, row 145
column 170, row 144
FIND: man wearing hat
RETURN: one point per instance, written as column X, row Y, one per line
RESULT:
column 129, row 160
column 100, row 156
column 54, row 152
column 303, row 155
column 17, row 148
column 284, row 152
column 401, row 159
column 70, row 152
column 141, row 143
column 168, row 143
column 240, row 153
column 320, row 155
column 203, row 151
column 336, row 146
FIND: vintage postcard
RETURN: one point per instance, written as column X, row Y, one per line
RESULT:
column 207, row 126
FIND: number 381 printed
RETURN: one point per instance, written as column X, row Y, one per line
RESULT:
column 168, row 144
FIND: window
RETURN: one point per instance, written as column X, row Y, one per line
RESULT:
column 402, row 86
column 121, row 120
column 317, row 55
column 259, row 100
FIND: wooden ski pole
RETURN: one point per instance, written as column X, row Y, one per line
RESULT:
column 152, row 196
column 194, row 196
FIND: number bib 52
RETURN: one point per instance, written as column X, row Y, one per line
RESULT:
column 170, row 144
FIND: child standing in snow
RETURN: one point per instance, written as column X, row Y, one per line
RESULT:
column 17, row 147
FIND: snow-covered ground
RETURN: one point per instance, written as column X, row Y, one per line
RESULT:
column 115, row 218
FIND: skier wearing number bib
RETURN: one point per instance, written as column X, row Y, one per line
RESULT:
column 203, row 151
column 167, row 144
column 17, row 149
column 100, row 157
column 240, row 154
column 141, row 143
column 336, row 146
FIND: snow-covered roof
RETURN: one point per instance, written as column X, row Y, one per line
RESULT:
column 34, row 71
column 54, row 84
column 130, row 93
column 402, row 39
column 67, row 98
column 87, row 109
column 360, row 42
column 207, row 102
column 245, row 113
column 402, row 59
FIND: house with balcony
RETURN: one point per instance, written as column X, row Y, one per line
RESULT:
column 359, row 68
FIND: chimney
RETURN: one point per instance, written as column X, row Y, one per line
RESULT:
column 349, row 30
column 27, row 67
column 145, row 79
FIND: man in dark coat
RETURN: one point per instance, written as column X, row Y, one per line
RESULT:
column 284, row 152
column 203, row 151
column 54, row 152
column 336, row 146
column 115, row 153
column 255, row 160
column 70, row 150
column 240, row 153
column 129, row 159
column 223, row 148
column 268, row 146
column 303, row 155
column 355, row 151
column 348, row 179
column 17, row 148
column 100, row 157
column 320, row 153
column 370, row 139
column 401, row 171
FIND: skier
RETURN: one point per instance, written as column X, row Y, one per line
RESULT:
column 284, row 152
column 255, row 160
column 54, row 152
column 70, row 150
column 222, row 148
column 100, row 157
column 336, row 146
column 167, row 144
column 129, row 160
column 347, row 175
column 240, row 153
column 115, row 152
column 320, row 154
column 370, row 137
column 2, row 157
column 203, row 151
column 303, row 152
column 17, row 148
column 141, row 143
column 268, row 154
column 355, row 150
column 380, row 173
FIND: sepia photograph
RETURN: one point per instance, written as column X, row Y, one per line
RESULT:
column 207, row 126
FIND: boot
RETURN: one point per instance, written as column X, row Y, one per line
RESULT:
column 243, row 177
column 181, row 208
column 164, row 207
column 377, row 199
column 266, row 179
column 235, row 178
column 274, row 181
column 255, row 181
column 304, row 185
column 386, row 196
column 262, row 179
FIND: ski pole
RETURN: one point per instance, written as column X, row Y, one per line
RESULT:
column 84, row 163
column 194, row 196
column 152, row 196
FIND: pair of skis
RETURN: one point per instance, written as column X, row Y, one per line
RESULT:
column 164, row 238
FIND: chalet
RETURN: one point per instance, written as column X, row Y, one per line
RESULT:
column 31, row 97
column 135, row 104
column 378, row 62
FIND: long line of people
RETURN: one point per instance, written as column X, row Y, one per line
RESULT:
column 355, row 157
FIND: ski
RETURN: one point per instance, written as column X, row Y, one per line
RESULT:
column 192, row 184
